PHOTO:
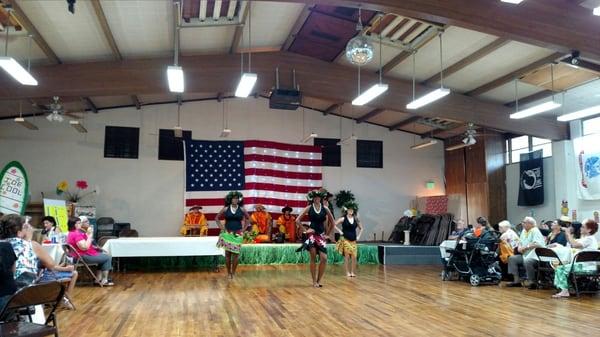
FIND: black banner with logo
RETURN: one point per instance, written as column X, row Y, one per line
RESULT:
column 531, row 179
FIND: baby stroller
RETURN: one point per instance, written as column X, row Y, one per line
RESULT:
column 474, row 259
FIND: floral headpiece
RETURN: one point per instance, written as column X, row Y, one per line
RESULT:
column 322, row 193
column 350, row 205
column 231, row 195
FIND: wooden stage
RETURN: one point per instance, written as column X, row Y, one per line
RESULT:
column 279, row 301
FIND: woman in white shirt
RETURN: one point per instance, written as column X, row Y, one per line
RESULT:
column 508, row 234
column 587, row 242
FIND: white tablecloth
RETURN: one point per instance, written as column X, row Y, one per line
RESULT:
column 163, row 246
column 54, row 250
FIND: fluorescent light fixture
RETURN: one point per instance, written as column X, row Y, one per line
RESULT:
column 347, row 140
column 78, row 126
column 178, row 131
column 246, row 85
column 579, row 114
column 534, row 110
column 596, row 11
column 456, row 147
column 370, row 94
column 309, row 137
column 425, row 144
column 429, row 98
column 14, row 69
column 225, row 133
column 512, row 1
column 25, row 123
column 175, row 77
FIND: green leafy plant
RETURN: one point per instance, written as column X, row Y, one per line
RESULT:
column 342, row 197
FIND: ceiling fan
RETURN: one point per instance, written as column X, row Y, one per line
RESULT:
column 56, row 111
column 469, row 138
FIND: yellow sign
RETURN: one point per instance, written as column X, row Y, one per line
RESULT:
column 58, row 210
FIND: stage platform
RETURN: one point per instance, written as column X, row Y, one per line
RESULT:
column 394, row 254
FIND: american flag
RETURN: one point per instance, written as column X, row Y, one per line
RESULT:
column 268, row 173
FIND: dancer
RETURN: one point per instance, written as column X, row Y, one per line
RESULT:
column 231, row 237
column 321, row 225
column 347, row 243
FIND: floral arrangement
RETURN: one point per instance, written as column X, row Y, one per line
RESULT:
column 343, row 197
column 62, row 188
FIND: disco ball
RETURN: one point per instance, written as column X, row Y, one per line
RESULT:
column 359, row 51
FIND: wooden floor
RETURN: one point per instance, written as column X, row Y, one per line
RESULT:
column 279, row 301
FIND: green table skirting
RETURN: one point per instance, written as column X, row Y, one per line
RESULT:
column 253, row 254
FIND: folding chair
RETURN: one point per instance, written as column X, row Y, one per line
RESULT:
column 79, row 263
column 50, row 293
column 546, row 258
column 590, row 278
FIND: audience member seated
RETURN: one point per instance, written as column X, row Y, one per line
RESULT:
column 544, row 228
column 564, row 221
column 262, row 224
column 50, row 230
column 459, row 230
column 7, row 271
column 575, row 229
column 31, row 254
column 82, row 242
column 530, row 239
column 194, row 221
column 587, row 242
column 556, row 236
column 287, row 224
column 480, row 226
column 509, row 240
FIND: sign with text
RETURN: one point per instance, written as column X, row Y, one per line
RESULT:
column 58, row 210
column 14, row 189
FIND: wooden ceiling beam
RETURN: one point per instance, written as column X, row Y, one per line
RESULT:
column 515, row 74
column 531, row 98
column 136, row 102
column 554, row 24
column 405, row 122
column 318, row 79
column 438, row 132
column 332, row 108
column 297, row 27
column 90, row 104
column 239, row 30
column 594, row 67
column 391, row 64
column 108, row 35
column 369, row 115
column 477, row 55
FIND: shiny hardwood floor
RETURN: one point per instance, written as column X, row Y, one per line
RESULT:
column 279, row 301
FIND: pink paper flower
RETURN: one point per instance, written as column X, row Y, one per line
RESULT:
column 81, row 184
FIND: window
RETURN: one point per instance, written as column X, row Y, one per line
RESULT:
column 121, row 142
column 591, row 126
column 525, row 144
column 369, row 153
column 331, row 152
column 170, row 147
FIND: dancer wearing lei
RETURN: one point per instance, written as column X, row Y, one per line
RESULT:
column 347, row 243
column 230, row 239
column 321, row 225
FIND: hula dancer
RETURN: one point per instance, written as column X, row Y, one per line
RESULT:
column 347, row 243
column 231, row 236
column 321, row 225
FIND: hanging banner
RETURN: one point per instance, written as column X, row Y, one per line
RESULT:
column 14, row 189
column 58, row 210
column 531, row 185
column 588, row 175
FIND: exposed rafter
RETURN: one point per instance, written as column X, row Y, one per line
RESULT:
column 335, row 83
column 239, row 30
column 406, row 54
column 437, row 132
column 332, row 108
column 515, row 74
column 477, row 55
column 405, row 122
column 136, row 102
column 90, row 104
column 531, row 98
column 369, row 115
column 297, row 26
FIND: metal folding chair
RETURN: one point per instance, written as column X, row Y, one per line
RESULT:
column 545, row 268
column 590, row 279
column 79, row 262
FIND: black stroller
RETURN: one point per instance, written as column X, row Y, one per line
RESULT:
column 474, row 259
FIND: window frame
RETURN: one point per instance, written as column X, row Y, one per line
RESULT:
column 360, row 164
column 508, row 157
column 133, row 155
column 187, row 135
column 325, row 158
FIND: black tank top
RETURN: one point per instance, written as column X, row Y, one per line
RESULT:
column 233, row 221
column 349, row 229
column 317, row 220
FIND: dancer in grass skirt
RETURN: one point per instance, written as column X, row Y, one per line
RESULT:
column 347, row 243
column 231, row 237
column 315, row 236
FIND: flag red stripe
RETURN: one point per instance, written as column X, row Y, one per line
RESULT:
column 278, row 188
column 281, row 146
column 282, row 160
column 212, row 216
column 248, row 200
column 283, row 174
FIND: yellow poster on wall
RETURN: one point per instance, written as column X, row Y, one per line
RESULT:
column 58, row 210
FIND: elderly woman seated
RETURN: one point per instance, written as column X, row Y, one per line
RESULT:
column 82, row 242
column 530, row 239
column 50, row 230
column 587, row 242
column 31, row 254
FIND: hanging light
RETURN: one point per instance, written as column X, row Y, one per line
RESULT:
column 13, row 68
column 25, row 123
column 247, row 79
column 537, row 109
column 424, row 144
column 374, row 91
column 175, row 72
column 226, row 131
column 359, row 51
column 434, row 95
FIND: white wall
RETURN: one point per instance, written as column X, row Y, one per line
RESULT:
column 149, row 192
